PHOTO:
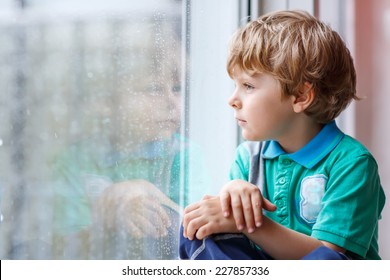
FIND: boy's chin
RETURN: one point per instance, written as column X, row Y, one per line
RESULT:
column 249, row 137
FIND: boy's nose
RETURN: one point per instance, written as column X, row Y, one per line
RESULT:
column 234, row 101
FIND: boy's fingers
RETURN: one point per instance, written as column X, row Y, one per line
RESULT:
column 186, row 221
column 225, row 203
column 188, row 218
column 202, row 232
column 191, row 207
column 257, row 209
column 248, row 214
column 237, row 212
column 192, row 228
column 206, row 197
column 268, row 205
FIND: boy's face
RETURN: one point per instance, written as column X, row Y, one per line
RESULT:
column 260, row 109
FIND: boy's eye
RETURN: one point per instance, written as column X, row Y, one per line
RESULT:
column 248, row 86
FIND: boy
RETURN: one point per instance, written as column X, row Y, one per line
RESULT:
column 320, row 188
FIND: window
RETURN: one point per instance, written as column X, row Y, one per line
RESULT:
column 90, row 146
column 114, row 117
column 100, row 147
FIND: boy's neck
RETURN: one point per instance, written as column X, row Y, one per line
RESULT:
column 302, row 132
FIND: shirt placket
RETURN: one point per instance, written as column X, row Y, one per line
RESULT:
column 282, row 182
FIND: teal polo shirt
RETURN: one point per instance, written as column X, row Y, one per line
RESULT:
column 329, row 189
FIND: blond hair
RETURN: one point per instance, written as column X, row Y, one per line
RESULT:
column 296, row 48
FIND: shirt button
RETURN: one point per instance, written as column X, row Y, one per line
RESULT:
column 286, row 161
column 282, row 180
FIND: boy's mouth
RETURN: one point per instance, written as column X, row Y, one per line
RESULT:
column 240, row 121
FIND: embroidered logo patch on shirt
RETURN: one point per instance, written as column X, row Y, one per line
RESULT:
column 312, row 192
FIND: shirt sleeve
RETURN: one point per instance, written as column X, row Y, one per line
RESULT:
column 240, row 166
column 351, row 205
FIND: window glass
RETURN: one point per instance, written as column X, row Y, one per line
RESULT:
column 92, row 158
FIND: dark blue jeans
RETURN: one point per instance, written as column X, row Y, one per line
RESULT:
column 231, row 246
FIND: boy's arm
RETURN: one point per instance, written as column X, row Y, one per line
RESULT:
column 205, row 217
column 284, row 243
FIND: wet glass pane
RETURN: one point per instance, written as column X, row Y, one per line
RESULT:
column 93, row 158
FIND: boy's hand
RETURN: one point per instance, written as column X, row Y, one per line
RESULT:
column 204, row 218
column 246, row 202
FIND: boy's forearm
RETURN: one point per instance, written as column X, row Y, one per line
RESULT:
column 281, row 242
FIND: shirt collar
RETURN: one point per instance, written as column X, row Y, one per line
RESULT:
column 314, row 151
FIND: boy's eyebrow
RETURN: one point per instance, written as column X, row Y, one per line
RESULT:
column 254, row 75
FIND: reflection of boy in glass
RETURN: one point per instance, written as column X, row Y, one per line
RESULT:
column 119, row 192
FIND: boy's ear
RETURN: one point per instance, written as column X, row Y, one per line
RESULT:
column 304, row 98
